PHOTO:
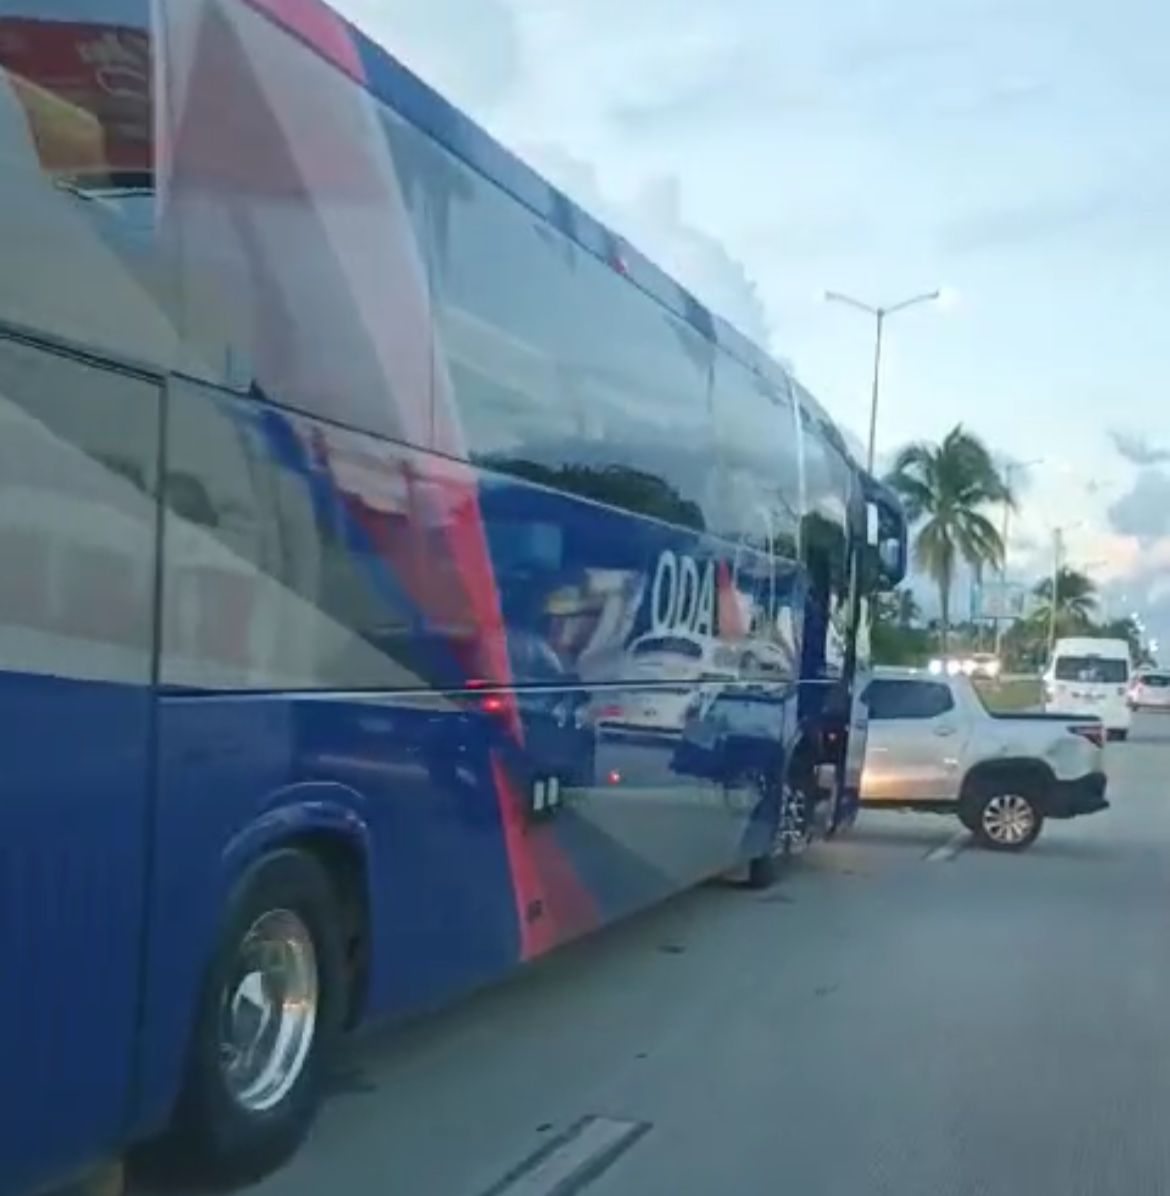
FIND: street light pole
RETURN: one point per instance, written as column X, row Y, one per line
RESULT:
column 1057, row 562
column 1056, row 549
column 1009, row 467
column 871, row 443
column 879, row 315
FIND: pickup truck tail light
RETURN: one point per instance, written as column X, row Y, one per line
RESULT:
column 1093, row 732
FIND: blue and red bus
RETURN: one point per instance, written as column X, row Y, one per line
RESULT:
column 399, row 575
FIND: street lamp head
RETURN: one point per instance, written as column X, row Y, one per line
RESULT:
column 913, row 301
column 849, row 301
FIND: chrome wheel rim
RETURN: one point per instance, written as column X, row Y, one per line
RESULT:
column 1008, row 819
column 269, row 1011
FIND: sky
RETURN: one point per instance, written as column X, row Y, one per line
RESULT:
column 1015, row 152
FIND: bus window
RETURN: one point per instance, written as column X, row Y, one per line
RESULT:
column 757, row 455
column 279, row 551
column 77, row 177
column 77, row 451
column 642, row 378
column 497, row 276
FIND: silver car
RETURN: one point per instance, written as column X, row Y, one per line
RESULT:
column 1150, row 691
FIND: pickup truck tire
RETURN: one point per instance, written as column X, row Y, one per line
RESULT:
column 969, row 816
column 272, row 1007
column 1003, row 816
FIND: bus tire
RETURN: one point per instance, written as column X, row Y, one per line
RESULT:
column 764, row 870
column 255, row 1072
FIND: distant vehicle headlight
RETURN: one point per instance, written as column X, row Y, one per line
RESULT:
column 993, row 667
column 954, row 668
column 936, row 666
column 969, row 667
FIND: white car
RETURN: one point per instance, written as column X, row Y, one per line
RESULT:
column 981, row 664
column 1150, row 690
column 934, row 746
column 1088, row 675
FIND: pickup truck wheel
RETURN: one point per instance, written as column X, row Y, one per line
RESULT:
column 1008, row 820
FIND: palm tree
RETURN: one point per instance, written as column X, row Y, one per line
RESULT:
column 909, row 612
column 897, row 608
column 945, row 488
column 1076, row 600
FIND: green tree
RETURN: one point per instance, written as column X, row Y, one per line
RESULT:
column 946, row 489
column 907, row 610
column 897, row 608
column 1126, row 629
column 894, row 637
column 1076, row 601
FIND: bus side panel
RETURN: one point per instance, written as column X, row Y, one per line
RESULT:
column 377, row 246
column 77, row 534
column 442, row 912
column 415, row 603
column 518, row 782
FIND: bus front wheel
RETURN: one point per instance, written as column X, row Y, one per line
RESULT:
column 272, row 1007
column 790, row 836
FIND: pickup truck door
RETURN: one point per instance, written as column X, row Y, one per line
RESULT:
column 915, row 742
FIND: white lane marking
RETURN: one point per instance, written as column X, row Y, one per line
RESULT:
column 573, row 1160
column 951, row 848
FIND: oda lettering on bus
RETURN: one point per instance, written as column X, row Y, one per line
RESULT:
column 682, row 597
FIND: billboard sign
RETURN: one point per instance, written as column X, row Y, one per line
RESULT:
column 1006, row 600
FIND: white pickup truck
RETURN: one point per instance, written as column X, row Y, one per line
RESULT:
column 933, row 745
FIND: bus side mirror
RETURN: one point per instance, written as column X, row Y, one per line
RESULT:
column 890, row 556
column 888, row 552
column 872, row 524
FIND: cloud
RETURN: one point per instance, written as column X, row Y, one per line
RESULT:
column 1137, row 448
column 1144, row 512
column 1014, row 224
column 883, row 50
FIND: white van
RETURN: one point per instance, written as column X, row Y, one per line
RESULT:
column 1090, row 676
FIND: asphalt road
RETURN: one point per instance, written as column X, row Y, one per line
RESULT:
column 903, row 1013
